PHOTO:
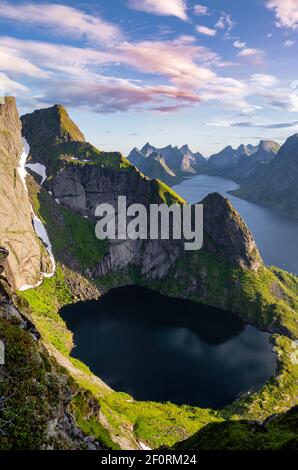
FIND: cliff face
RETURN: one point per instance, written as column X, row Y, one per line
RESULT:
column 23, row 266
column 84, row 180
column 275, row 184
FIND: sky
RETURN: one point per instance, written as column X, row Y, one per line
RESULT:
column 210, row 74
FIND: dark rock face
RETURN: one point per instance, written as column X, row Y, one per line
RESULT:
column 45, row 128
column 229, row 232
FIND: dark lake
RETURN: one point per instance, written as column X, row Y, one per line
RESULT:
column 161, row 349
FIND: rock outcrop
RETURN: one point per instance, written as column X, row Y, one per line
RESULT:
column 23, row 266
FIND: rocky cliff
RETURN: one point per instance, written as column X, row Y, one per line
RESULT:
column 275, row 184
column 25, row 262
column 83, row 181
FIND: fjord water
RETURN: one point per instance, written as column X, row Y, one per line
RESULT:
column 161, row 349
column 276, row 234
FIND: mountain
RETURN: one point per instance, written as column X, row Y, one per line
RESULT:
column 59, row 403
column 238, row 164
column 266, row 151
column 275, row 184
column 27, row 257
column 180, row 161
column 52, row 125
column 222, row 159
column 155, row 167
column 136, row 157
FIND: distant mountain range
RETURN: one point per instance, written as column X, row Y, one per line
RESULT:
column 169, row 164
column 267, row 172
column 238, row 164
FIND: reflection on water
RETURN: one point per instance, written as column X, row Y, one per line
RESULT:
column 162, row 349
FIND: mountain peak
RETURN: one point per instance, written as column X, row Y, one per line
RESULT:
column 224, row 225
column 52, row 126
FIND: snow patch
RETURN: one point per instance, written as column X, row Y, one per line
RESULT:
column 37, row 223
column 143, row 446
column 39, row 169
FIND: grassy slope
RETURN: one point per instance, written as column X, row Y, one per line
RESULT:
column 153, row 423
column 279, row 433
column 266, row 298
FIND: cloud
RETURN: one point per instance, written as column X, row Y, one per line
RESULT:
column 289, row 43
column 201, row 10
column 110, row 96
column 177, row 60
column 63, row 20
column 8, row 86
column 225, row 22
column 279, row 125
column 206, row 31
column 9, row 62
column 286, row 12
column 248, row 124
column 254, row 55
column 176, row 8
column 239, row 44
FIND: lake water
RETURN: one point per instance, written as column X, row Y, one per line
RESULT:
column 162, row 349
column 276, row 235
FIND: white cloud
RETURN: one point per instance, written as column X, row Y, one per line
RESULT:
column 289, row 43
column 62, row 20
column 254, row 55
column 225, row 22
column 206, row 31
column 10, row 62
column 176, row 8
column 8, row 86
column 286, row 12
column 239, row 44
column 201, row 10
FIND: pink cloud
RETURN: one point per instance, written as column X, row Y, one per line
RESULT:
column 286, row 12
column 176, row 8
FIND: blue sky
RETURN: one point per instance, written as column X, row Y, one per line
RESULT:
column 207, row 73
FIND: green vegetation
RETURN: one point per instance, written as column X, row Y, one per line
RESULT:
column 45, row 302
column 158, row 424
column 72, row 236
column 85, row 410
column 166, row 194
column 83, row 153
column 32, row 393
column 280, row 433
